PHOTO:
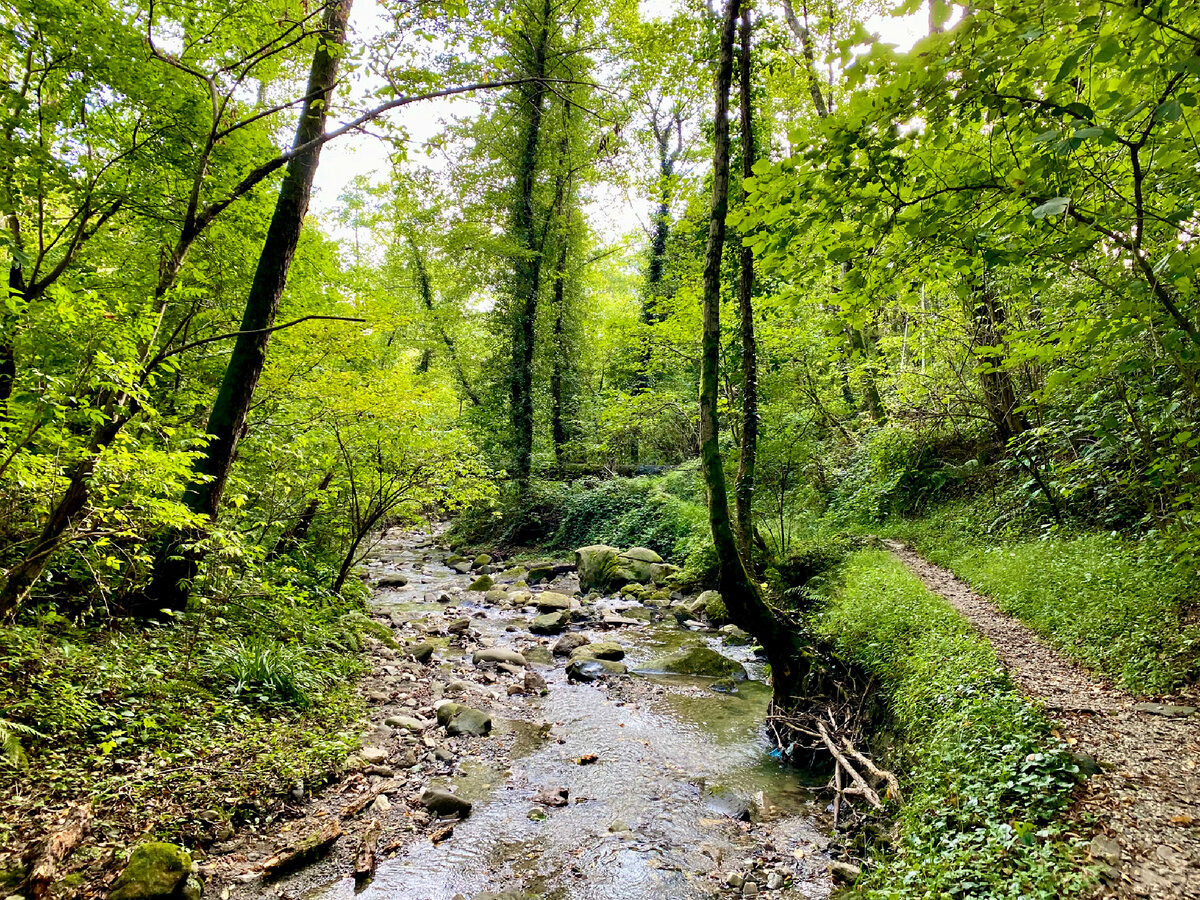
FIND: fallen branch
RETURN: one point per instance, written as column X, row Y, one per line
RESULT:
column 893, row 783
column 57, row 847
column 859, row 782
column 304, row 850
column 365, row 861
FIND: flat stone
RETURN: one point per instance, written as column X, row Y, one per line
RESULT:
column 619, row 620
column 1105, row 849
column 392, row 579
column 568, row 642
column 610, row 650
column 459, row 626
column 422, row 652
column 498, row 655
column 593, row 669
column 549, row 623
column 409, row 723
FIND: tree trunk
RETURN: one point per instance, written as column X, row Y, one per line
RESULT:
column 558, row 427
column 999, row 393
column 8, row 337
column 426, row 291
column 299, row 529
column 742, row 596
column 527, row 269
column 744, row 486
column 176, row 567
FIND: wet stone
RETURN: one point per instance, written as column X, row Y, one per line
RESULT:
column 441, row 802
column 568, row 642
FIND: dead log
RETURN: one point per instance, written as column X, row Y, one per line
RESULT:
column 57, row 847
column 303, row 851
column 365, row 860
column 891, row 780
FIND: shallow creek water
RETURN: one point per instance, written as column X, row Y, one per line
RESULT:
column 653, row 817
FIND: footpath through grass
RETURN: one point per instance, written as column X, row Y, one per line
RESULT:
column 986, row 777
column 1122, row 607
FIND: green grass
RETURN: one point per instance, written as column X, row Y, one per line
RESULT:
column 986, row 781
column 1120, row 606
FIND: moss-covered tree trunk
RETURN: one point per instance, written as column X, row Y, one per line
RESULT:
column 176, row 566
column 744, row 599
column 527, row 266
column 744, row 486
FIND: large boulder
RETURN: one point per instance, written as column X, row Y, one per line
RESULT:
column 155, row 870
column 569, row 642
column 698, row 660
column 596, row 566
column 459, row 719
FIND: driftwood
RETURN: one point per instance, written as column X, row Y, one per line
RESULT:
column 365, row 860
column 304, row 850
column 362, row 802
column 57, row 847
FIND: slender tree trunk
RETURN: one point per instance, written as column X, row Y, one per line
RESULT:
column 8, row 357
column 425, row 288
column 999, row 393
column 744, row 486
column 742, row 596
column 558, row 427
column 527, row 270
column 176, row 567
column 299, row 529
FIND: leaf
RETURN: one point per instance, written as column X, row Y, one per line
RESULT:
column 1055, row 206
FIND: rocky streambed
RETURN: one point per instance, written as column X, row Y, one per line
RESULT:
column 530, row 740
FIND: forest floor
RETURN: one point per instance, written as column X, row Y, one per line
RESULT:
column 1144, row 795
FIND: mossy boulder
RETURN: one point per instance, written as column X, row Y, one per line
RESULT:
column 459, row 719
column 596, row 565
column 549, row 623
column 155, row 870
column 481, row 560
column 593, row 669
column 698, row 660
column 540, row 572
column 609, row 650
column 714, row 608
column 551, row 601
column 482, row 583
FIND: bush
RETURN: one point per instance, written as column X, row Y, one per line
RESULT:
column 986, row 778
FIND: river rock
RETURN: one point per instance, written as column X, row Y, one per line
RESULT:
column 610, row 650
column 593, row 669
column 422, row 652
column 458, row 686
column 408, row 723
column 549, row 623
column 550, row 601
column 698, row 660
column 441, row 802
column 459, row 626
column 596, row 565
column 373, row 755
column 155, row 870
column 519, row 598
column 534, row 683
column 539, row 654
column 482, row 584
column 568, row 642
column 392, row 579
column 496, row 597
column 459, row 719
column 482, row 560
column 498, row 655
column 462, row 567
column 540, row 572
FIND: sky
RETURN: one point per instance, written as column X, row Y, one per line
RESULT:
column 613, row 211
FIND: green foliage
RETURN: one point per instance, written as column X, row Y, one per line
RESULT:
column 987, row 781
column 1122, row 607
column 265, row 670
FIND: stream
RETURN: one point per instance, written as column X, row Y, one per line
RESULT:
column 682, row 793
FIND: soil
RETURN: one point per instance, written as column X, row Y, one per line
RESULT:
column 1145, row 800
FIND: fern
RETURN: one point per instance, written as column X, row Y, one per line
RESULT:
column 11, row 733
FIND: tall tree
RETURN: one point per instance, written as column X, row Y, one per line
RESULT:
column 177, row 565
column 742, row 595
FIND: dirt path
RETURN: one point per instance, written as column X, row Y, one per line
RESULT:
column 1145, row 802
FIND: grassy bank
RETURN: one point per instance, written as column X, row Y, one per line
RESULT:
column 985, row 777
column 180, row 731
column 1123, row 607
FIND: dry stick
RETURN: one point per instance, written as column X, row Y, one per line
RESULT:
column 57, row 847
column 303, row 851
column 837, row 797
column 365, row 861
column 859, row 783
column 892, row 782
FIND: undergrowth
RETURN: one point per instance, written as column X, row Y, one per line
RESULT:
column 184, row 728
column 985, row 777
